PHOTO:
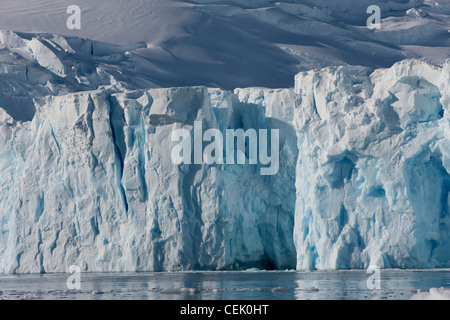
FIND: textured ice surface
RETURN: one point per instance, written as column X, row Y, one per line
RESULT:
column 364, row 177
column 373, row 167
column 38, row 65
column 90, row 181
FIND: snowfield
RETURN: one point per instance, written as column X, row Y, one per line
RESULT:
column 86, row 117
column 241, row 43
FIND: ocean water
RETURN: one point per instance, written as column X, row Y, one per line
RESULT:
column 248, row 285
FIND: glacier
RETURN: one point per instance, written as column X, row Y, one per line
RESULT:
column 230, row 44
column 373, row 167
column 87, row 176
column 98, row 188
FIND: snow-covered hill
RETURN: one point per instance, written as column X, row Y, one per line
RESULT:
column 242, row 43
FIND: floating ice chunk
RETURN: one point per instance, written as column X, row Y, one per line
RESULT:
column 432, row 294
column 416, row 13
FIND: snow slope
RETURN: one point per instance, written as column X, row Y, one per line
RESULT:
column 241, row 43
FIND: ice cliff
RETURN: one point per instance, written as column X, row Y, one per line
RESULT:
column 372, row 175
column 90, row 181
column 364, row 177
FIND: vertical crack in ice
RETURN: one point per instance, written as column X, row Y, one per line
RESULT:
column 54, row 137
column 89, row 114
column 141, row 159
column 315, row 104
column 119, row 155
column 193, row 212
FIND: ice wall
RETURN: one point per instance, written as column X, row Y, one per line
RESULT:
column 90, row 181
column 364, row 177
column 373, row 167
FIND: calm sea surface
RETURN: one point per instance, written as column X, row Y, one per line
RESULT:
column 250, row 285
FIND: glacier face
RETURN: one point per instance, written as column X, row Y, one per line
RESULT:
column 90, row 181
column 364, row 177
column 373, row 168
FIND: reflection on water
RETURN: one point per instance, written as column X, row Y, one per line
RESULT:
column 258, row 285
